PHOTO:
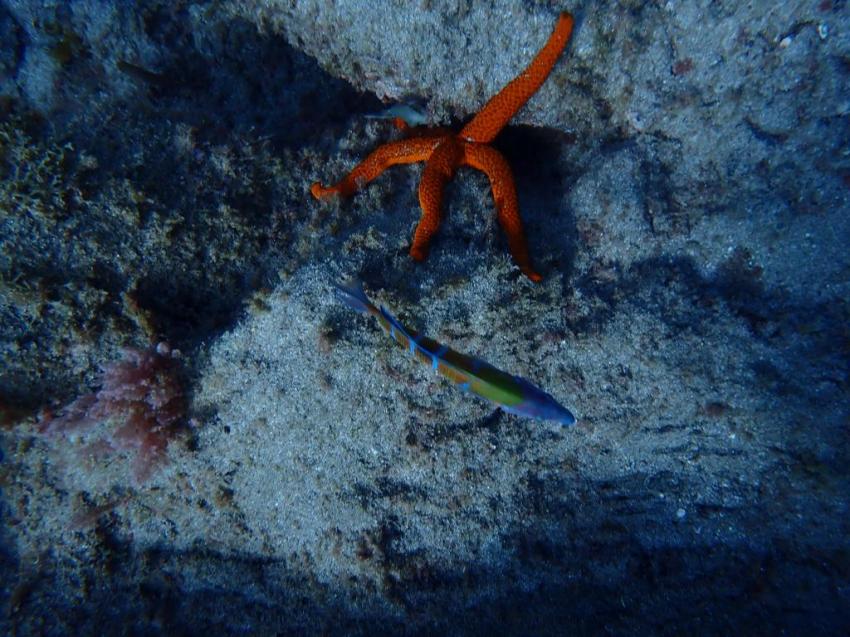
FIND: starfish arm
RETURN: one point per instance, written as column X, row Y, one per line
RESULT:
column 491, row 162
column 405, row 151
column 503, row 105
column 439, row 169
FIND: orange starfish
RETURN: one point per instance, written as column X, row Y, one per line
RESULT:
column 444, row 152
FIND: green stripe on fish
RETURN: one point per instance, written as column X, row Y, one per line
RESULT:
column 514, row 394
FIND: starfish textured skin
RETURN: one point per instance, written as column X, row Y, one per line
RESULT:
column 444, row 152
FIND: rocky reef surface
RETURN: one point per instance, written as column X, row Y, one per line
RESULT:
column 684, row 180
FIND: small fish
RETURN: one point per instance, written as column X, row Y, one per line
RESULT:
column 142, row 74
column 411, row 115
column 513, row 394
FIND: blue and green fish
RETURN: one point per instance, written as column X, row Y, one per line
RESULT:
column 513, row 394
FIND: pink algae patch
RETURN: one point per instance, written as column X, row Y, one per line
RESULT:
column 143, row 393
column 683, row 66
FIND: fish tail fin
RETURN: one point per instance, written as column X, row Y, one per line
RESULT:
column 351, row 293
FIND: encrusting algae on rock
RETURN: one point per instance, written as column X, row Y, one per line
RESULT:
column 142, row 390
